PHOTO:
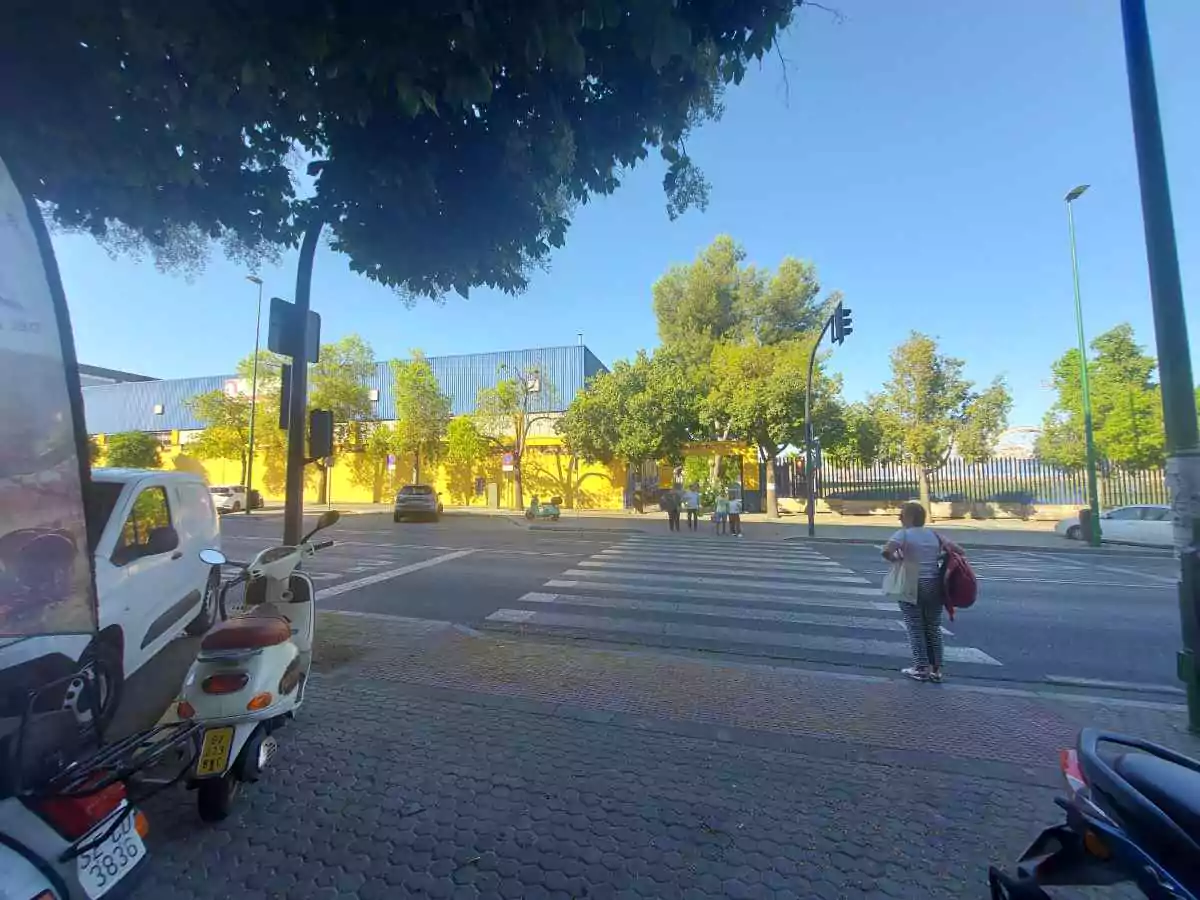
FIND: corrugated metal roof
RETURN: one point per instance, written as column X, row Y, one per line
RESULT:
column 564, row 371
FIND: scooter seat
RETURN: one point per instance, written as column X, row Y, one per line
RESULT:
column 248, row 633
column 1172, row 788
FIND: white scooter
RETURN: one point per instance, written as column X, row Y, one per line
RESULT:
column 250, row 674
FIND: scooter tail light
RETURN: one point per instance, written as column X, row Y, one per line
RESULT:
column 73, row 817
column 260, row 701
column 141, row 824
column 1068, row 761
column 184, row 710
column 225, row 683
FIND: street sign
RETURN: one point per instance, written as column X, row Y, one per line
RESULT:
column 506, row 462
column 282, row 330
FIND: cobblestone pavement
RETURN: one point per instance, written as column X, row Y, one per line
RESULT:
column 431, row 761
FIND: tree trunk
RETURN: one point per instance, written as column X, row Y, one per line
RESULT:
column 923, row 491
column 772, row 495
column 416, row 467
column 323, row 490
column 518, row 493
column 243, row 481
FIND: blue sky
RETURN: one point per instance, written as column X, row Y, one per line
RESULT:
column 918, row 154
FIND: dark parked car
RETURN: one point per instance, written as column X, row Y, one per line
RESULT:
column 417, row 501
column 256, row 500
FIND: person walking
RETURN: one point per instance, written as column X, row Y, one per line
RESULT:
column 722, row 512
column 670, row 502
column 691, row 502
column 735, row 516
column 920, row 549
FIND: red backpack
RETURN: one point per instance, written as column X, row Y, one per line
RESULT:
column 959, row 585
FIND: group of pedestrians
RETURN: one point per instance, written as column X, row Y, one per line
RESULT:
column 728, row 512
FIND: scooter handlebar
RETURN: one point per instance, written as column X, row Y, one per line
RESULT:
column 323, row 545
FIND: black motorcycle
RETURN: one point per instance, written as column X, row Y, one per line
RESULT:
column 1133, row 815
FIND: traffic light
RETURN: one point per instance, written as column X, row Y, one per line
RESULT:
column 842, row 323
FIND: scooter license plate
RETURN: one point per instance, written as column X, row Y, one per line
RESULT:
column 214, row 751
column 100, row 868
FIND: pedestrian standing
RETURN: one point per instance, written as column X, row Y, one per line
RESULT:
column 920, row 549
column 670, row 502
column 691, row 502
column 722, row 512
column 735, row 516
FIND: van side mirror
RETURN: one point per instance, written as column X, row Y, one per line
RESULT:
column 162, row 540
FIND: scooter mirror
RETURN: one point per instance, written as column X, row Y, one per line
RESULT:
column 329, row 517
column 213, row 557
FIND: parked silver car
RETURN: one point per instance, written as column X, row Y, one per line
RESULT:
column 417, row 500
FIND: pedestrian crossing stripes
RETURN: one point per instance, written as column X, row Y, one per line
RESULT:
column 749, row 597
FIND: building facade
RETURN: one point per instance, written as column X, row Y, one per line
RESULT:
column 163, row 407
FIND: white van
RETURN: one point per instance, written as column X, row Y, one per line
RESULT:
column 150, row 527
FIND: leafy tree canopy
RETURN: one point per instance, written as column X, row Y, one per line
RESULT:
column 1127, row 418
column 422, row 410
column 133, row 450
column 339, row 382
column 647, row 409
column 928, row 409
column 226, row 433
column 451, row 141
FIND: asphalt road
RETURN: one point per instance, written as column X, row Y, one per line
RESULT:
column 1060, row 619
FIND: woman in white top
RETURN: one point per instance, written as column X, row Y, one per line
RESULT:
column 916, row 543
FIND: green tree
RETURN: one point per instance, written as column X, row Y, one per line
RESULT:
column 94, row 451
column 745, row 333
column 133, row 450
column 647, row 409
column 1126, row 406
column 422, row 411
column 859, row 436
column 466, row 450
column 374, row 443
column 451, row 145
column 340, row 383
column 928, row 410
column 226, row 432
column 509, row 412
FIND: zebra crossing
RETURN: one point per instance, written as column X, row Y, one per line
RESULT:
column 756, row 598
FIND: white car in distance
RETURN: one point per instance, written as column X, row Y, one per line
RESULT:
column 228, row 498
column 1146, row 524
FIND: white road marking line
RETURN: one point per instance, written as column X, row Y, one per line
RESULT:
column 794, row 640
column 788, row 564
column 601, row 576
column 781, row 580
column 748, row 613
column 1120, row 570
column 785, row 600
column 366, row 580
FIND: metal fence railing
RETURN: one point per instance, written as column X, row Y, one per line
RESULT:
column 1017, row 481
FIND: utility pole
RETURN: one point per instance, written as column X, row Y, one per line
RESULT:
column 1170, row 331
column 1089, row 440
column 840, row 324
column 253, row 279
column 293, row 510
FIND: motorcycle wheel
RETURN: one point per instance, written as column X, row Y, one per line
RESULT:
column 215, row 796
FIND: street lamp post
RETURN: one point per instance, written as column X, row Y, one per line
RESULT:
column 1171, row 338
column 253, row 279
column 1088, row 438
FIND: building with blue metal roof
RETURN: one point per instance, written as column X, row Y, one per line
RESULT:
column 163, row 405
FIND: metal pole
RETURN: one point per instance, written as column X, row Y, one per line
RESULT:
column 1170, row 331
column 810, row 484
column 293, row 511
column 253, row 399
column 1089, row 441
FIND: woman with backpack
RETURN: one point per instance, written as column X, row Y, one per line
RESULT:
column 920, row 549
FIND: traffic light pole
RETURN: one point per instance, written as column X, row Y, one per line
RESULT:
column 810, row 482
column 1170, row 331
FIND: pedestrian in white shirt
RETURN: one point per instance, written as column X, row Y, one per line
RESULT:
column 691, row 502
column 735, row 516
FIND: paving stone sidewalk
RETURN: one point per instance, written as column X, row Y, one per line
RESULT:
column 433, row 761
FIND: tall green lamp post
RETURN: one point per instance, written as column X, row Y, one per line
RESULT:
column 1088, row 438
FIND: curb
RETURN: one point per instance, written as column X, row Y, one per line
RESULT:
column 1144, row 553
column 584, row 530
